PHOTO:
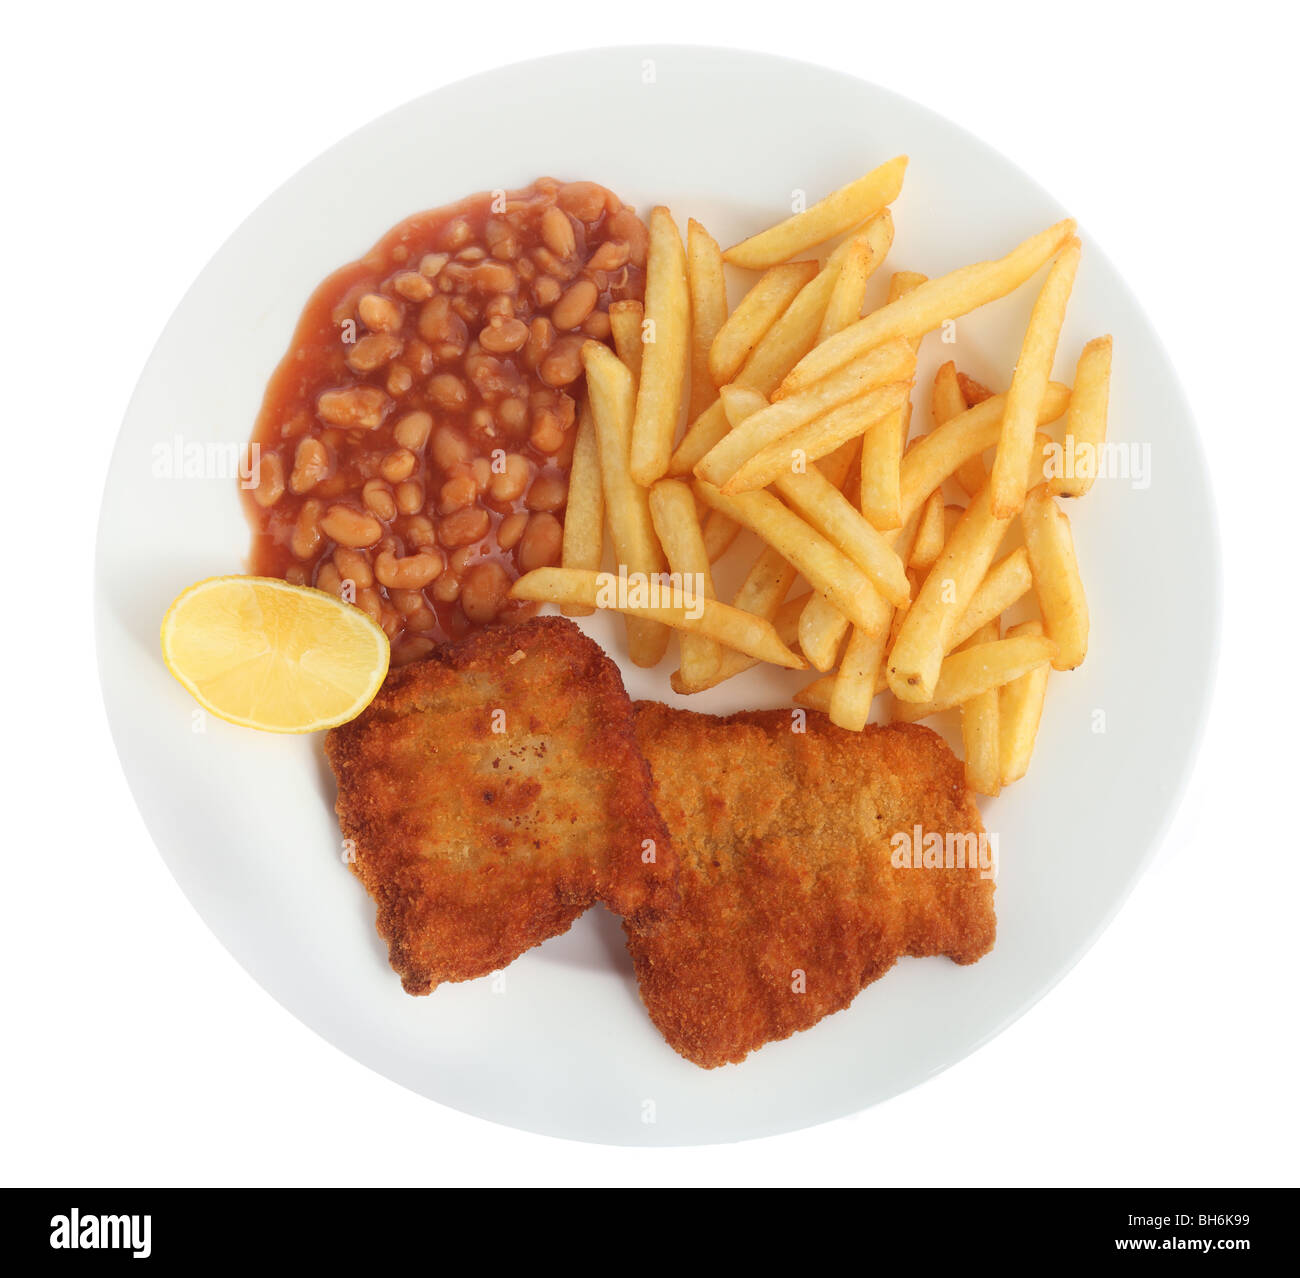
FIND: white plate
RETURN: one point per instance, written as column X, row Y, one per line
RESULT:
column 560, row 1044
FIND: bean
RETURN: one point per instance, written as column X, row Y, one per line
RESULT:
column 350, row 527
column 432, row 263
column 509, row 483
column 377, row 498
column 413, row 286
column 412, row 431
column 380, row 314
column 354, row 566
column 270, row 480
column 311, row 463
column 450, row 447
column 400, row 379
column 464, row 527
column 547, row 434
column 414, row 572
column 578, row 302
column 511, row 528
column 446, row 588
column 374, row 351
column 410, row 496
column 457, row 493
column 548, row 492
column 456, row 234
column 357, row 408
column 503, row 336
column 563, row 364
column 597, row 325
column 609, row 256
column 585, row 200
column 328, row 579
column 495, row 277
column 484, row 591
column 540, row 545
column 547, row 290
column 626, row 226
column 397, row 465
column 307, row 537
column 512, row 413
column 557, row 232
column 418, row 531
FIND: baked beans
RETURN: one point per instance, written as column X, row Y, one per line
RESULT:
column 415, row 440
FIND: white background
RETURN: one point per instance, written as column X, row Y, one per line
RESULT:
column 136, row 137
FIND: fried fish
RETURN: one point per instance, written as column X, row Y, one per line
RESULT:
column 790, row 899
column 492, row 793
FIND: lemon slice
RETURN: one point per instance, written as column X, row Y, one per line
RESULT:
column 264, row 654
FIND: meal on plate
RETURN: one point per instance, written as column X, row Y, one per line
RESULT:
column 539, row 397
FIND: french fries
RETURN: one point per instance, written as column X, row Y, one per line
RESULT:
column 754, row 636
column 1029, row 384
column 977, row 669
column 813, row 496
column 789, row 395
column 926, row 307
column 861, row 674
column 785, row 622
column 1085, row 425
column 759, row 309
column 666, row 356
column 825, row 567
column 980, row 729
column 941, row 453
column 882, row 448
column 584, row 513
column 1020, row 709
column 947, row 402
column 625, row 321
column 708, row 290
column 930, row 534
column 822, row 221
column 873, row 410
column 866, row 251
column 1057, row 583
column 923, row 639
column 613, row 398
column 875, row 369
column 672, row 508
column 1007, row 581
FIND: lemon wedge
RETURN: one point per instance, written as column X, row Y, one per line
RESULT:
column 264, row 654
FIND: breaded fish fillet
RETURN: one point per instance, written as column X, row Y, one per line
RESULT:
column 493, row 793
column 789, row 902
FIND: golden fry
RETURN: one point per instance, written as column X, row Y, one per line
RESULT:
column 672, row 507
column 759, row 309
column 1020, row 709
column 1007, row 581
column 666, row 357
column 625, row 321
column 613, row 398
column 1085, row 426
column 866, row 251
column 584, row 513
column 928, row 306
column 1029, row 384
column 1056, row 577
column 977, row 669
column 923, row 638
column 824, row 220
column 708, row 291
column 879, row 367
column 980, row 730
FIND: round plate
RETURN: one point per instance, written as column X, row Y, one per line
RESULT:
column 559, row 1043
